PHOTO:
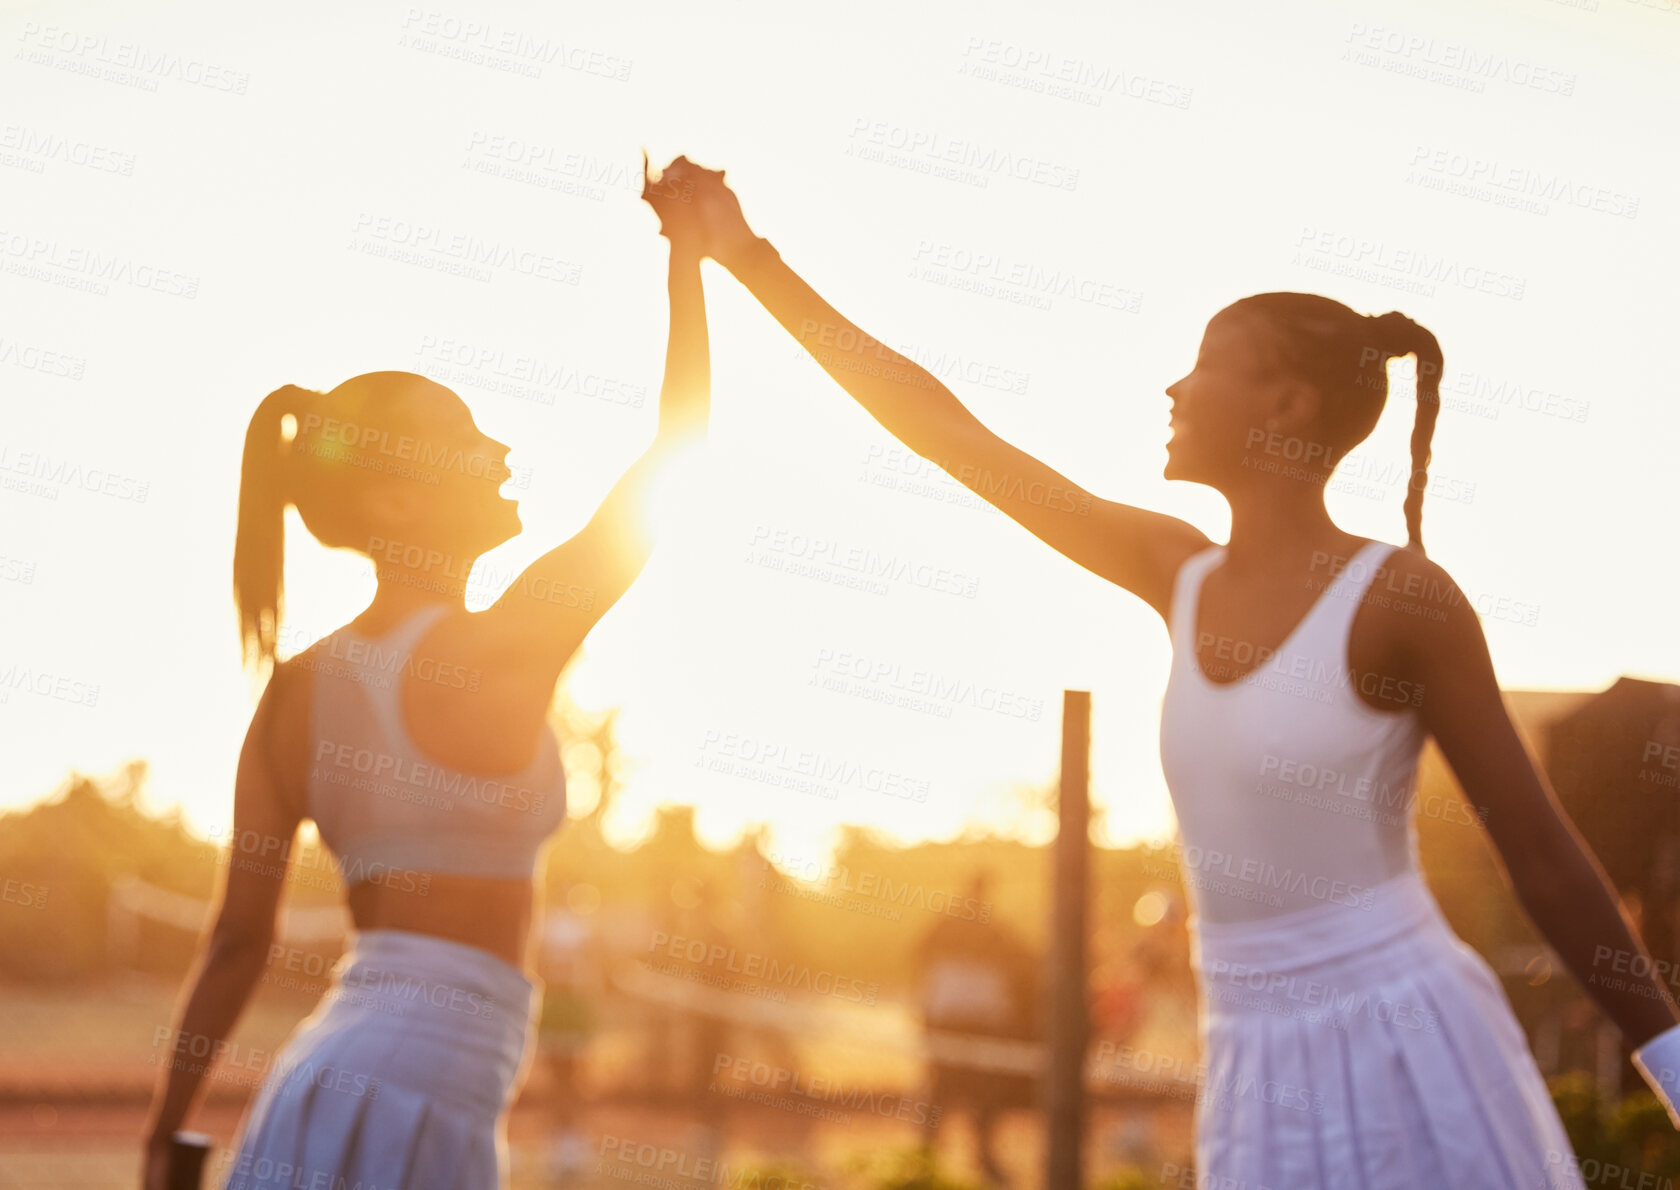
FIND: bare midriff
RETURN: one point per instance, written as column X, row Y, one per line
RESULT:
column 493, row 915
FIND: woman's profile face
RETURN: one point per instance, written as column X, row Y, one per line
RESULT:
column 1220, row 408
column 473, row 470
column 436, row 476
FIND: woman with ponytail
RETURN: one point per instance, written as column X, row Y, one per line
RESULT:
column 1350, row 1038
column 417, row 739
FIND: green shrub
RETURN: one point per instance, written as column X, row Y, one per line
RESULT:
column 1635, row 1137
column 908, row 1169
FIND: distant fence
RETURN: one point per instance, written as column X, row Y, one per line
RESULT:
column 133, row 901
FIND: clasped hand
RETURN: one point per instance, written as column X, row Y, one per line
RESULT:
column 697, row 210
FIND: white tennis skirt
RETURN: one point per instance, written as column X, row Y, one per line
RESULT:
column 401, row 1077
column 1366, row 1048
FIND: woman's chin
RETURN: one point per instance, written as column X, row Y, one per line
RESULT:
column 1184, row 470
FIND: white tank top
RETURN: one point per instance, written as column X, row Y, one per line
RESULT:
column 1291, row 792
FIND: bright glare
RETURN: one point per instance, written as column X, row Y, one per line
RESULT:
column 1150, row 908
column 764, row 669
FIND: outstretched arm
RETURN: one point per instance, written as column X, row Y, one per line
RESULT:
column 1557, row 880
column 545, row 615
column 1133, row 547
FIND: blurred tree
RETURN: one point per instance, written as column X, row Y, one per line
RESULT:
column 73, row 846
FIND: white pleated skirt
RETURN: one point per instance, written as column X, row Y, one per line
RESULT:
column 401, row 1077
column 1354, row 1048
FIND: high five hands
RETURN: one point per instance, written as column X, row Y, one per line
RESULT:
column 671, row 195
column 697, row 211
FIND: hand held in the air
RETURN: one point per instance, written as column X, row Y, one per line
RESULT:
column 729, row 238
column 671, row 195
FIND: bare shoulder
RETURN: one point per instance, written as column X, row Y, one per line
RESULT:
column 498, row 638
column 283, row 718
column 1410, row 574
column 1170, row 543
column 477, row 692
column 1418, row 605
column 283, row 691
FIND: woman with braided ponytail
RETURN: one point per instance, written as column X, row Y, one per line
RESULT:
column 417, row 739
column 1350, row 1038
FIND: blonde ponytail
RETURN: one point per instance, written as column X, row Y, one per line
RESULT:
column 259, row 549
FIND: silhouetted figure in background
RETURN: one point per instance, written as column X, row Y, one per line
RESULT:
column 976, row 978
column 575, row 984
column 1127, row 991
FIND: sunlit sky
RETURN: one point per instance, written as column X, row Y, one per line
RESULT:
column 245, row 191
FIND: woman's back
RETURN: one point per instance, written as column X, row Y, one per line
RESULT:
column 1291, row 791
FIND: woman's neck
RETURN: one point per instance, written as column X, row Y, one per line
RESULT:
column 1274, row 527
column 391, row 607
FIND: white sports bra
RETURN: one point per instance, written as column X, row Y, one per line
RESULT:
column 380, row 804
column 1291, row 792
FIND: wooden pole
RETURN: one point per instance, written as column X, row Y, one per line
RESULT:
column 1064, row 1085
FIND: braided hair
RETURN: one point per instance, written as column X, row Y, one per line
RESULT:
column 1345, row 354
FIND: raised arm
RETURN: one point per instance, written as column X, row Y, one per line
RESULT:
column 1133, row 547
column 235, row 952
column 1557, row 880
column 544, row 616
